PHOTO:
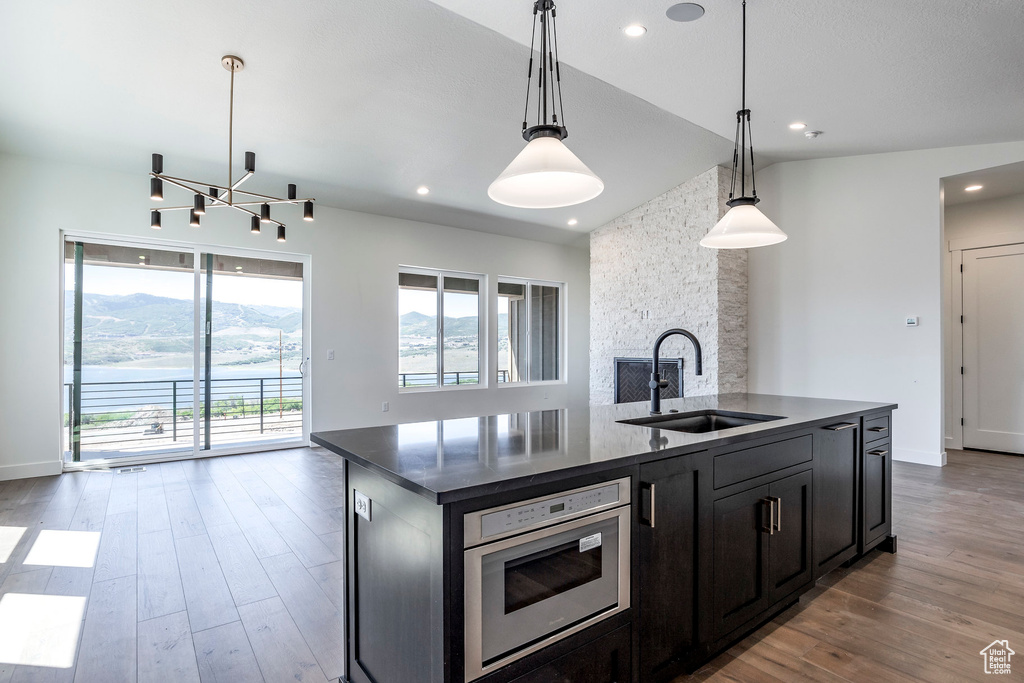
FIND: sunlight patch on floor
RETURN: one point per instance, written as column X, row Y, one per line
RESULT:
column 9, row 537
column 40, row 630
column 64, row 549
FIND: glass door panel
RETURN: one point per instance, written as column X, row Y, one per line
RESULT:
column 251, row 351
column 128, row 351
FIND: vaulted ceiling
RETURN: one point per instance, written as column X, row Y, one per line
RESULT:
column 362, row 102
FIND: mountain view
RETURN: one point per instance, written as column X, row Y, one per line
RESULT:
column 147, row 331
column 418, row 342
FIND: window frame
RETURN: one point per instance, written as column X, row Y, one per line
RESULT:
column 482, row 356
column 560, row 344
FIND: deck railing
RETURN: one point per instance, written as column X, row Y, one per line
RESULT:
column 137, row 415
column 429, row 379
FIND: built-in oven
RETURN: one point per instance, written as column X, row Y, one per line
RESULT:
column 539, row 570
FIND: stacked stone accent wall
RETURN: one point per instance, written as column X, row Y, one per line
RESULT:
column 648, row 273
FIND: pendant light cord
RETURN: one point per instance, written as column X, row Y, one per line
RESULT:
column 549, row 74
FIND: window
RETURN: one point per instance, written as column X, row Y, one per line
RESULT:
column 438, row 328
column 529, row 337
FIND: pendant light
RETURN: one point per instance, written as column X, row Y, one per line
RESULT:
column 743, row 226
column 545, row 174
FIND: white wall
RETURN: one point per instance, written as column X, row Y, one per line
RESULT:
column 865, row 250
column 979, row 220
column 354, row 262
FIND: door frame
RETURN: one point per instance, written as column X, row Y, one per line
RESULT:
column 955, row 359
column 197, row 248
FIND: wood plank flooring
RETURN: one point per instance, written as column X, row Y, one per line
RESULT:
column 229, row 569
column 220, row 569
column 924, row 614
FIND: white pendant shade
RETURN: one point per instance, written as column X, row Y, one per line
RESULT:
column 743, row 227
column 545, row 175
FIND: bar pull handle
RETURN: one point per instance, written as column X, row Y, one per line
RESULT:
column 878, row 429
column 776, row 525
column 844, row 425
column 878, row 451
column 649, row 521
column 769, row 505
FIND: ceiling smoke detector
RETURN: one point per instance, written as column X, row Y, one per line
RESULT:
column 811, row 134
column 685, row 11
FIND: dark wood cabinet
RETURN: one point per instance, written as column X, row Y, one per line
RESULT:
column 605, row 660
column 836, row 494
column 671, row 492
column 762, row 541
column 877, row 493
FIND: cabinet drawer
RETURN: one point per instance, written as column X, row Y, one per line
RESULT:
column 605, row 660
column 748, row 463
column 876, row 428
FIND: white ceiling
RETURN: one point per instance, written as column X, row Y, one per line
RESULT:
column 997, row 182
column 874, row 75
column 361, row 102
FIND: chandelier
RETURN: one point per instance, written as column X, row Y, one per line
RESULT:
column 208, row 196
column 743, row 226
column 545, row 174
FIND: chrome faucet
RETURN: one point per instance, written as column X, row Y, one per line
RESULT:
column 657, row 383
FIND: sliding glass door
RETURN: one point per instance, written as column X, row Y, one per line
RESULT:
column 170, row 353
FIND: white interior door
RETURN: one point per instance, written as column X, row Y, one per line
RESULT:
column 993, row 379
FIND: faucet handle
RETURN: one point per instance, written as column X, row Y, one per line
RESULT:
column 658, row 384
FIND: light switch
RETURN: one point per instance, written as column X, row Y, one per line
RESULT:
column 384, row 407
column 330, row 354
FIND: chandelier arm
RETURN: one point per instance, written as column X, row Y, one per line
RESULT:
column 236, row 204
column 241, row 208
column 558, row 71
column 248, row 174
column 181, row 182
column 529, row 71
column 750, row 140
column 735, row 158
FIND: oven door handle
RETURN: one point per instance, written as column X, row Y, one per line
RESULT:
column 648, row 519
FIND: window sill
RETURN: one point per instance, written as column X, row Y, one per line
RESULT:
column 435, row 389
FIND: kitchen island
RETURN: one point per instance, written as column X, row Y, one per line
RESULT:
column 567, row 545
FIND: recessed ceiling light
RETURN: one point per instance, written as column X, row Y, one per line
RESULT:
column 635, row 30
column 238, row 267
column 797, row 126
column 422, row 189
column 573, row 221
column 973, row 188
column 685, row 11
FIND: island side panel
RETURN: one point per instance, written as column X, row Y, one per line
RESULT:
column 395, row 583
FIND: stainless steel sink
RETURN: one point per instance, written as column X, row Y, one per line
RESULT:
column 701, row 421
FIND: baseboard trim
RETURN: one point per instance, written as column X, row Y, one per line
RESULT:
column 919, row 457
column 30, row 469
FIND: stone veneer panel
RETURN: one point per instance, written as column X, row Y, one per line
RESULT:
column 648, row 273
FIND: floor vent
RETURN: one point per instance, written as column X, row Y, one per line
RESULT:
column 131, row 470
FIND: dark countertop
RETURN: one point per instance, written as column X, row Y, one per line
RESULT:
column 451, row 460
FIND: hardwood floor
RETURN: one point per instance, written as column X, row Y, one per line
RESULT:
column 924, row 614
column 223, row 569
column 229, row 569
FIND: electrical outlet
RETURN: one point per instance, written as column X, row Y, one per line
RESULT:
column 913, row 321
column 330, row 354
column 384, row 407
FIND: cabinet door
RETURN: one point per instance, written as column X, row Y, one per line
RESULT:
column 877, row 493
column 668, row 566
column 836, row 473
column 740, row 558
column 790, row 565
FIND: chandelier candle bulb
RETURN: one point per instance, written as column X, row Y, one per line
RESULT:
column 307, row 211
column 158, row 163
column 154, row 220
column 292, row 191
column 156, row 190
column 265, row 213
column 250, row 162
column 280, row 233
column 254, row 225
column 200, row 205
column 215, row 193
column 193, row 218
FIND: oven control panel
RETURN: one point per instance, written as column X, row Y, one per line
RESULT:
column 546, row 510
